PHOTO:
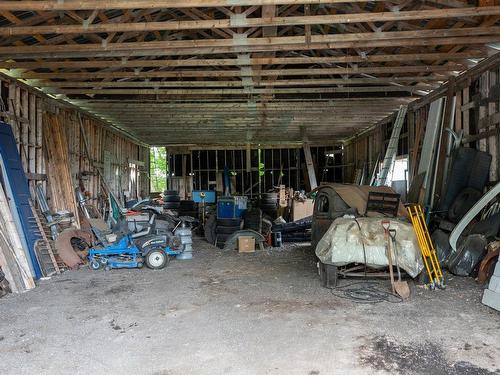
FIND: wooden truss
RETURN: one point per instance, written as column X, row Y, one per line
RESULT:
column 243, row 71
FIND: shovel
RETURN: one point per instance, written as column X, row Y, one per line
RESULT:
column 402, row 288
column 386, row 224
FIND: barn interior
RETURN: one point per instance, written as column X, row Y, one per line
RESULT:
column 249, row 187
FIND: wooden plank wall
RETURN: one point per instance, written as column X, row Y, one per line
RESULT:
column 477, row 114
column 23, row 108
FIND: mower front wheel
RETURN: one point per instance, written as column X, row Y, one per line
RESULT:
column 94, row 264
column 157, row 259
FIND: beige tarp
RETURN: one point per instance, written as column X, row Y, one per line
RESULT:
column 347, row 242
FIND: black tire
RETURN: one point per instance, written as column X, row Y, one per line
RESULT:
column 170, row 192
column 222, row 237
column 255, row 226
column 480, row 173
column 272, row 214
column 226, row 230
column 188, row 213
column 253, row 220
column 209, row 229
column 188, row 205
column 463, row 203
column 172, row 198
column 268, row 196
column 228, row 222
column 156, row 259
column 171, row 205
column 257, row 229
column 268, row 206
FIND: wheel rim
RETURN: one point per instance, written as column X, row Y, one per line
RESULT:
column 156, row 258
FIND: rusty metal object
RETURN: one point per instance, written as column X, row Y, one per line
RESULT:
column 65, row 249
column 488, row 263
column 335, row 200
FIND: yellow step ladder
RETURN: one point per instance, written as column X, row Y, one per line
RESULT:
column 427, row 249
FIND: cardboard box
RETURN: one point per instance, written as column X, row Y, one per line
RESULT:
column 246, row 244
column 301, row 210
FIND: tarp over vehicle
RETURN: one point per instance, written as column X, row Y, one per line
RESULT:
column 362, row 241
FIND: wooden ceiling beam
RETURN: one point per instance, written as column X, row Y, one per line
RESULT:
column 56, row 5
column 353, row 38
column 473, row 54
column 237, row 73
column 330, row 105
column 329, row 47
column 294, row 82
column 175, row 92
column 250, row 22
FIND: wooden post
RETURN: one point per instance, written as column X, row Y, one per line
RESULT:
column 310, row 167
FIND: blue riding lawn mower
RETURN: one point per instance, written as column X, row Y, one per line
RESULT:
column 133, row 250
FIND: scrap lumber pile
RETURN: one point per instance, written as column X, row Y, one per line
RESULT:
column 13, row 259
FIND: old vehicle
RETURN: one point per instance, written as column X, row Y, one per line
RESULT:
column 357, row 240
column 336, row 200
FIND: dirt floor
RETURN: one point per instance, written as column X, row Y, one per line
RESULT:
column 229, row 313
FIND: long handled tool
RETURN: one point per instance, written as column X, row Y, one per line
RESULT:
column 386, row 224
column 402, row 287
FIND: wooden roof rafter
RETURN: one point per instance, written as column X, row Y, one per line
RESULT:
column 246, row 52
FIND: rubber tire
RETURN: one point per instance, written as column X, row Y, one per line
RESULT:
column 151, row 253
column 272, row 214
column 188, row 213
column 228, row 222
column 480, row 173
column 188, row 205
column 226, row 230
column 172, row 198
column 95, row 265
column 170, row 192
column 268, row 196
column 209, row 229
column 267, row 206
column 222, row 237
column 171, row 205
column 463, row 203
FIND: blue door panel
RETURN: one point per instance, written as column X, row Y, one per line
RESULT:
column 19, row 188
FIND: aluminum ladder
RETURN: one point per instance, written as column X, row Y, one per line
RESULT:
column 392, row 147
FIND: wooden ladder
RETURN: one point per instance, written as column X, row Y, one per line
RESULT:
column 43, row 247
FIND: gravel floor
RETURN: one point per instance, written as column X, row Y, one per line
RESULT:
column 230, row 313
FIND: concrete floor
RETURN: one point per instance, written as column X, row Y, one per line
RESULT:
column 229, row 313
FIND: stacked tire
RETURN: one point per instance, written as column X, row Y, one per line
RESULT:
column 269, row 204
column 171, row 200
column 253, row 219
column 225, row 228
column 188, row 208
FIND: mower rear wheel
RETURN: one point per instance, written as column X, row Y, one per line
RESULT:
column 157, row 259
